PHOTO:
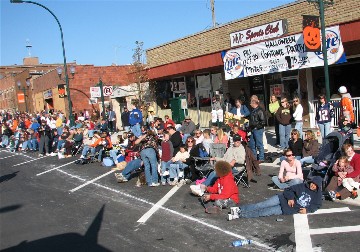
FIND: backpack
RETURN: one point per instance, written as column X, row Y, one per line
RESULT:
column 202, row 151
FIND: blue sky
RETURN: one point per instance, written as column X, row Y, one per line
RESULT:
column 102, row 32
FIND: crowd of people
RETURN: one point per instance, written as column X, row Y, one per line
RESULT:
column 166, row 150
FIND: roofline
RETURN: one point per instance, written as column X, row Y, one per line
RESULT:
column 229, row 23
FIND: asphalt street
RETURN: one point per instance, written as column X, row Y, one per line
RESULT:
column 55, row 205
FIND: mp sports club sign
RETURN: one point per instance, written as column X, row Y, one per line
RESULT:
column 262, row 32
column 282, row 54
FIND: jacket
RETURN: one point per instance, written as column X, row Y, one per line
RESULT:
column 176, row 141
column 252, row 165
column 298, row 113
column 187, row 128
column 347, row 109
column 234, row 153
column 303, row 197
column 125, row 116
column 296, row 147
column 167, row 151
column 355, row 163
column 324, row 113
column 135, row 117
column 292, row 172
column 283, row 115
column 224, row 188
column 310, row 148
column 100, row 141
column 243, row 111
column 257, row 118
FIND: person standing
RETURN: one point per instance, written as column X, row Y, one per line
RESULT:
column 283, row 115
column 217, row 113
column 346, row 109
column 273, row 107
column 175, row 138
column 135, row 119
column 229, row 102
column 125, row 119
column 240, row 109
column 187, row 128
column 324, row 114
column 149, row 154
column 257, row 123
column 298, row 113
column 111, row 120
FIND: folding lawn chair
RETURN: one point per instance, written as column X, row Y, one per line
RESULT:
column 240, row 175
column 203, row 164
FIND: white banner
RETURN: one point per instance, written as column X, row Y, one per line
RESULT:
column 282, row 54
column 262, row 32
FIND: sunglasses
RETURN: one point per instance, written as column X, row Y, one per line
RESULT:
column 289, row 155
column 283, row 102
column 293, row 134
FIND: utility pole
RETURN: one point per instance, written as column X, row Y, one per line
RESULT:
column 321, row 5
column 213, row 12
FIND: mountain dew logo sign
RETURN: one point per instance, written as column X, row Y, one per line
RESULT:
column 281, row 54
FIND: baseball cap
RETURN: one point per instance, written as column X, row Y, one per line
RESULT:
column 236, row 138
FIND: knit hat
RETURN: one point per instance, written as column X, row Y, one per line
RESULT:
column 342, row 90
column 222, row 168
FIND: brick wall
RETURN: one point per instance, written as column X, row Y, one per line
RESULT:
column 86, row 76
column 218, row 39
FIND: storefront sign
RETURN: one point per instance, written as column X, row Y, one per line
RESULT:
column 282, row 54
column 95, row 92
column 21, row 97
column 276, row 90
column 48, row 94
column 262, row 32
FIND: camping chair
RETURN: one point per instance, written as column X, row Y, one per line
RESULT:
column 76, row 148
column 203, row 164
column 240, row 175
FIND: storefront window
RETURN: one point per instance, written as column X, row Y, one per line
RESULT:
column 203, row 90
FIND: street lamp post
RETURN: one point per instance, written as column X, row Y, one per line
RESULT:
column 64, row 55
column 321, row 4
column 23, row 89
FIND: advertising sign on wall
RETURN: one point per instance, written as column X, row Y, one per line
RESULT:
column 48, row 94
column 281, row 54
column 262, row 32
column 277, row 90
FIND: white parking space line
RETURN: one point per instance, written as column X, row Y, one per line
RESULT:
column 26, row 156
column 192, row 219
column 161, row 202
column 335, row 230
column 331, row 210
column 91, row 181
column 8, row 156
column 187, row 217
column 302, row 233
column 29, row 161
column 70, row 175
column 56, row 168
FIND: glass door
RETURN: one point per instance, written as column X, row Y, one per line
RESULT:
column 291, row 86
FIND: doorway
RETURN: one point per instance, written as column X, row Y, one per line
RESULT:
column 291, row 86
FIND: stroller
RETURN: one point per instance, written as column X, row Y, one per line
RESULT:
column 329, row 152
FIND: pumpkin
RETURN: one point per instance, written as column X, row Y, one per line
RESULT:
column 312, row 37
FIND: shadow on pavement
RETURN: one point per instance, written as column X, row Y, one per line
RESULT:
column 9, row 208
column 69, row 242
column 8, row 176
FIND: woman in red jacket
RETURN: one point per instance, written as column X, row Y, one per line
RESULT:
column 224, row 193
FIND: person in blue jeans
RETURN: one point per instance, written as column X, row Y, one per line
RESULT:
column 324, row 114
column 131, row 166
column 284, row 116
column 135, row 119
column 148, row 154
column 257, row 123
column 301, row 198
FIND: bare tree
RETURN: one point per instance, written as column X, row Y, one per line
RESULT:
column 139, row 71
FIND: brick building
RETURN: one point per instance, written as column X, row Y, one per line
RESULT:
column 195, row 63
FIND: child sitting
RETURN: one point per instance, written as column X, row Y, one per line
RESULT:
column 224, row 193
column 207, row 140
column 177, row 166
column 341, row 168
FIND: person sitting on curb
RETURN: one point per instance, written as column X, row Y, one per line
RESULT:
column 290, row 172
column 310, row 148
column 301, row 198
column 224, row 193
column 187, row 128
